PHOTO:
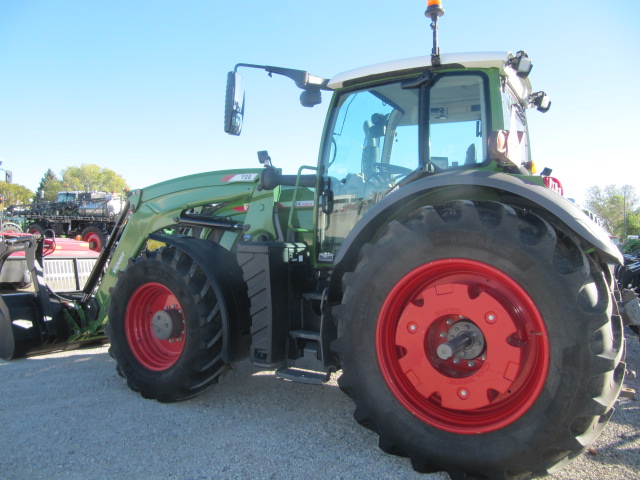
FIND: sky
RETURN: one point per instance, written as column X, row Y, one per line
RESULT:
column 138, row 86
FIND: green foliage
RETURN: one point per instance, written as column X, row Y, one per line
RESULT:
column 14, row 194
column 633, row 222
column 617, row 207
column 85, row 178
column 89, row 177
column 48, row 188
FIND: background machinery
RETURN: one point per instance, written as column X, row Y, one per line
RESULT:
column 89, row 215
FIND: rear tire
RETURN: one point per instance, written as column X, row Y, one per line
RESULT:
column 166, row 327
column 532, row 394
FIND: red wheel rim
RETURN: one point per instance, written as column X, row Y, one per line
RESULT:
column 474, row 395
column 95, row 243
column 152, row 352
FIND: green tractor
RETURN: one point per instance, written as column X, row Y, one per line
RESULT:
column 471, row 308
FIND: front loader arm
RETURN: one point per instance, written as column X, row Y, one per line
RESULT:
column 160, row 206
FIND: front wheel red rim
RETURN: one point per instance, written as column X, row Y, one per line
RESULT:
column 146, row 302
column 477, row 390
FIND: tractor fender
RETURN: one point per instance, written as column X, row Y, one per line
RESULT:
column 469, row 184
column 225, row 277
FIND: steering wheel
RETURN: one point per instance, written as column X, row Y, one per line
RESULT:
column 383, row 173
column 390, row 169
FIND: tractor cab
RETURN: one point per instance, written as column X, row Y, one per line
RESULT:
column 393, row 123
column 396, row 122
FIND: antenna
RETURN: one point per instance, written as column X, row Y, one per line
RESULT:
column 433, row 11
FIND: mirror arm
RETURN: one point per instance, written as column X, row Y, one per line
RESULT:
column 302, row 79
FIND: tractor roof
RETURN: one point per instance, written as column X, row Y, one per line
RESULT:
column 406, row 66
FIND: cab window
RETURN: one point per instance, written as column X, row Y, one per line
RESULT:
column 374, row 143
column 457, row 122
column 374, row 132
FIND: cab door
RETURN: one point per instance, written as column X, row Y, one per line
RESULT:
column 371, row 145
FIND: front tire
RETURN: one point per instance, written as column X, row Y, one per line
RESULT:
column 165, row 326
column 533, row 381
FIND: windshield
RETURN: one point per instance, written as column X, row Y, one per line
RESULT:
column 375, row 140
column 66, row 197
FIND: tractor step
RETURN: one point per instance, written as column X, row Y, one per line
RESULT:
column 305, row 334
column 308, row 368
column 313, row 296
column 303, row 376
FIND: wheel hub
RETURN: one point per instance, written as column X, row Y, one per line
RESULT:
column 167, row 324
column 465, row 341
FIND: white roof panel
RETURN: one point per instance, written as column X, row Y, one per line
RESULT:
column 469, row 60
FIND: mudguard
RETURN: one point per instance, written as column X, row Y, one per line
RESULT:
column 470, row 184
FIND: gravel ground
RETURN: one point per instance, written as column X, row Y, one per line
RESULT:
column 70, row 416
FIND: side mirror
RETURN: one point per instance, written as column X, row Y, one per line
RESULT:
column 310, row 97
column 234, row 104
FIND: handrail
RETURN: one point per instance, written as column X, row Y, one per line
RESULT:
column 294, row 199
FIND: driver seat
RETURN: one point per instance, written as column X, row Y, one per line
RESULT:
column 470, row 157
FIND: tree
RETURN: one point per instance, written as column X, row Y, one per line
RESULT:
column 14, row 194
column 89, row 177
column 617, row 207
column 49, row 186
